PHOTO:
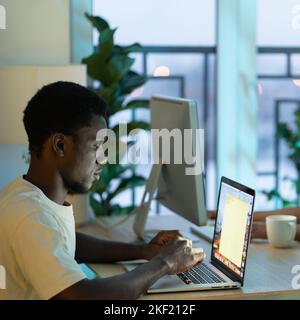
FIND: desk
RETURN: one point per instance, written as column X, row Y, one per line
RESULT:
column 268, row 270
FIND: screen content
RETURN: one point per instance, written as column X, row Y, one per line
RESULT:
column 233, row 228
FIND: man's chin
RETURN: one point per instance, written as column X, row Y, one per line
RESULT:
column 78, row 188
column 78, row 191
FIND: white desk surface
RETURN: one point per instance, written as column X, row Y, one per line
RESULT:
column 268, row 270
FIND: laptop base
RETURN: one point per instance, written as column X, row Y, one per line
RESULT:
column 172, row 283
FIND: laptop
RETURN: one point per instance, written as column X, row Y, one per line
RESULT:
column 227, row 265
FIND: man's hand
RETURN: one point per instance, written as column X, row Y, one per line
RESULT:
column 154, row 247
column 180, row 256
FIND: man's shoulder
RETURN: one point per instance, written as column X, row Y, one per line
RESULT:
column 19, row 201
column 18, row 193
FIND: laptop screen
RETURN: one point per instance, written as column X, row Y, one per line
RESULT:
column 232, row 229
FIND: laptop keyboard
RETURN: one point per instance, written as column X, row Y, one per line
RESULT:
column 200, row 274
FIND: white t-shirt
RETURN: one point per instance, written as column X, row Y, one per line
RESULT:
column 37, row 243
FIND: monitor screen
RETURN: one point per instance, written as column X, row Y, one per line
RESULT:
column 232, row 229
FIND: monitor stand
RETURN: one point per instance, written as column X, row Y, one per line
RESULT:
column 141, row 213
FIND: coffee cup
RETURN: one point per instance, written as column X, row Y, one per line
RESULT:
column 281, row 230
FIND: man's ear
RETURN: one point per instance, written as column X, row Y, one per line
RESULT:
column 58, row 144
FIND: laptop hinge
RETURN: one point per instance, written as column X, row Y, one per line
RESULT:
column 228, row 274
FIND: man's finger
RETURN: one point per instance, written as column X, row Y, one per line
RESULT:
column 199, row 259
column 166, row 235
column 172, row 233
column 198, row 250
column 199, row 253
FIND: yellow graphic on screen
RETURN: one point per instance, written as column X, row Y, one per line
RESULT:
column 233, row 229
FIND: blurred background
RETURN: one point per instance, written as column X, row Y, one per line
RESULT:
column 179, row 40
column 179, row 57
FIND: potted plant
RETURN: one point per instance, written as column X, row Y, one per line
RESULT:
column 110, row 65
column 292, row 139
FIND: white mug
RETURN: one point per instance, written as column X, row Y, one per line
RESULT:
column 281, row 230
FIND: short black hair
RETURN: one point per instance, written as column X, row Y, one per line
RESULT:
column 60, row 107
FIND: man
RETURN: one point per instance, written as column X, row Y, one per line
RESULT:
column 38, row 244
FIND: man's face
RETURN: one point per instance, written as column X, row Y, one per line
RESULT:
column 82, row 162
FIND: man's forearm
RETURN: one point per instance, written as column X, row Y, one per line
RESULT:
column 125, row 286
column 93, row 250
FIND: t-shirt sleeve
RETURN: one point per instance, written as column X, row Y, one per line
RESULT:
column 41, row 253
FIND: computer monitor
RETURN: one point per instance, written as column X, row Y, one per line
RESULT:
column 180, row 192
column 179, row 185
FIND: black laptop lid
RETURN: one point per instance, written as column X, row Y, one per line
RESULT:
column 232, row 228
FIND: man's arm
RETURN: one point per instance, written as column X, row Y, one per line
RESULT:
column 93, row 250
column 175, row 257
column 125, row 286
column 90, row 249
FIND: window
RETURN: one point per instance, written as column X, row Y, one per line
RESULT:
column 278, row 70
column 181, row 65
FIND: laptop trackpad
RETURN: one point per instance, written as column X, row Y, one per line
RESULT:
column 168, row 282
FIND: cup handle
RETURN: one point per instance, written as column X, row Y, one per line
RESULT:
column 292, row 230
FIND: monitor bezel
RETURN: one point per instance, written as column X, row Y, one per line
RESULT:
column 230, row 273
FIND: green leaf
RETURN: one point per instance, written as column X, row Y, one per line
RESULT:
column 114, row 171
column 134, row 104
column 95, row 66
column 131, row 126
column 297, row 118
column 117, row 67
column 284, row 132
column 136, row 47
column 107, row 43
column 100, row 209
column 127, row 183
column 100, row 186
column 289, row 204
column 272, row 195
column 109, row 94
column 118, row 210
column 132, row 81
column 99, row 23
